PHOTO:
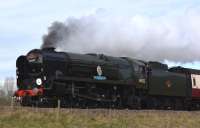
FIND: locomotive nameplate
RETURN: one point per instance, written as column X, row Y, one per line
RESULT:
column 99, row 74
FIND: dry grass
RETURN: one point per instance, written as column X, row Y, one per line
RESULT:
column 96, row 118
column 5, row 101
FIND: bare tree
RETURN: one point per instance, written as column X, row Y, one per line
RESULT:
column 2, row 92
column 9, row 86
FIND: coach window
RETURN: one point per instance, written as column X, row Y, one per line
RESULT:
column 194, row 81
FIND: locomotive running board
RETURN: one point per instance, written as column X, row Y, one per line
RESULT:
column 111, row 82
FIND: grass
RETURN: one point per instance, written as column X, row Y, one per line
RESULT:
column 20, row 117
column 5, row 101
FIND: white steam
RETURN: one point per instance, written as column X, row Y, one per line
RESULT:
column 171, row 37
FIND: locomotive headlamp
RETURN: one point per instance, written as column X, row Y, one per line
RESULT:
column 38, row 81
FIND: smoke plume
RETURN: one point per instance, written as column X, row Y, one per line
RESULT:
column 171, row 37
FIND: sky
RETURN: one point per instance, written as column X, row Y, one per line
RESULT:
column 24, row 22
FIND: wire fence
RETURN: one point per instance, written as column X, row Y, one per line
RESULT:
column 58, row 110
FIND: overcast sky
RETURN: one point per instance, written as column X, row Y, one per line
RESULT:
column 24, row 22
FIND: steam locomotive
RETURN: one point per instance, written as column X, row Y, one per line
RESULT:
column 97, row 80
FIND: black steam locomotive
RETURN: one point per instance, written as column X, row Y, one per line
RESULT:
column 97, row 80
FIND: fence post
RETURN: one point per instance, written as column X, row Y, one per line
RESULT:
column 58, row 110
column 12, row 103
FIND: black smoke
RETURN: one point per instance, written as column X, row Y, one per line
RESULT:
column 174, row 38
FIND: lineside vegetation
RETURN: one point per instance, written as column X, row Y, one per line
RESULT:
column 19, row 117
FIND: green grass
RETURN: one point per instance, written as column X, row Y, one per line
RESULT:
column 101, row 118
